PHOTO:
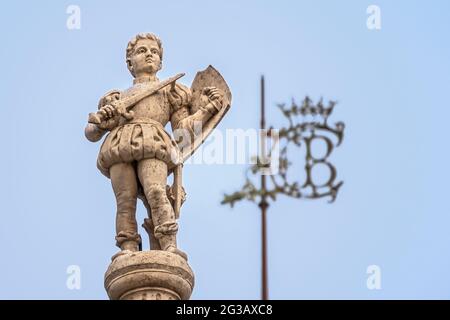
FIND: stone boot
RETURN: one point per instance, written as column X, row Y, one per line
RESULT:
column 169, row 243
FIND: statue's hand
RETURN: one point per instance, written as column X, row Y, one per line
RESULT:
column 215, row 97
column 109, row 114
column 108, row 111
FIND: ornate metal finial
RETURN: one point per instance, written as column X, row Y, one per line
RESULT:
column 307, row 123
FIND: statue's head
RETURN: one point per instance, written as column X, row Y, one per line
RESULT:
column 144, row 54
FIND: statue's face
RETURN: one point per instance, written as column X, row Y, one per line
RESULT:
column 145, row 58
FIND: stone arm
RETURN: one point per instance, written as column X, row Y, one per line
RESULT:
column 184, row 124
column 94, row 132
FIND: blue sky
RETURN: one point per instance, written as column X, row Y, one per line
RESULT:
column 58, row 210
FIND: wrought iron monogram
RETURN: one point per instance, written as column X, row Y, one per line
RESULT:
column 308, row 123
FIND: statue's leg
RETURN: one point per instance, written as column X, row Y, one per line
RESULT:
column 124, row 183
column 153, row 177
column 149, row 226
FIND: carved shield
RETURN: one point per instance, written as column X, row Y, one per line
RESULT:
column 209, row 77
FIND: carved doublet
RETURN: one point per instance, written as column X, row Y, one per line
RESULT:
column 153, row 108
column 141, row 137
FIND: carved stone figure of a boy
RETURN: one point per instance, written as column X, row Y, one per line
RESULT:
column 138, row 153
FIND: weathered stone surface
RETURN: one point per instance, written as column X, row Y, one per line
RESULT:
column 138, row 155
column 149, row 275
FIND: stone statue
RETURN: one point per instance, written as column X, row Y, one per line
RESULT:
column 138, row 154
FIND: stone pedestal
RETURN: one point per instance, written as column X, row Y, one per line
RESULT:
column 149, row 275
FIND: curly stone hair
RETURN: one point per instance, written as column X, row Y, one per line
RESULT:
column 141, row 36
